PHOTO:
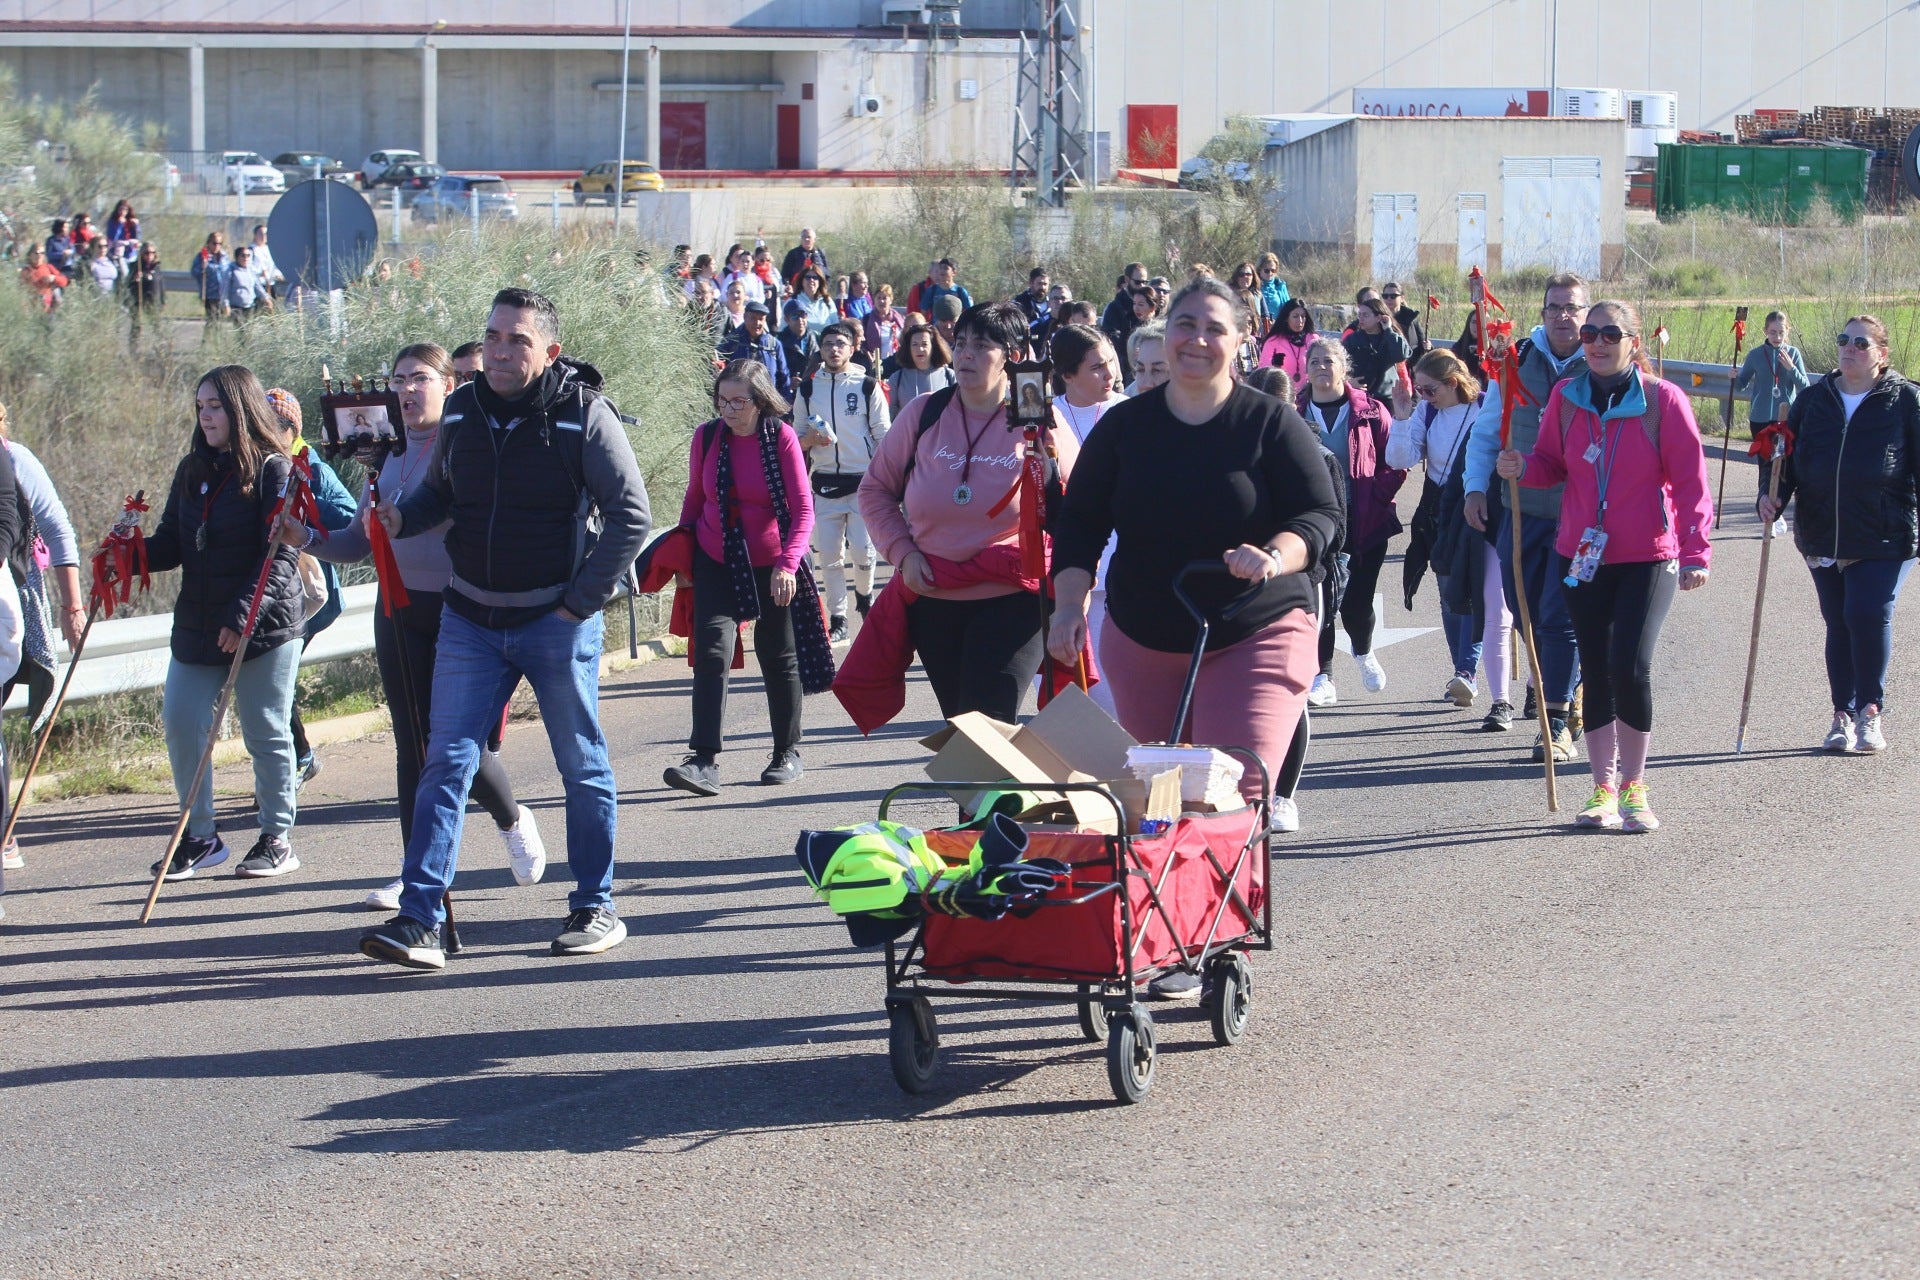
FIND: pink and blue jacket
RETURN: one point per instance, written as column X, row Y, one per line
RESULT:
column 1659, row 506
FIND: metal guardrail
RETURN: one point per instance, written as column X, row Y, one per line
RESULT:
column 1711, row 381
column 129, row 654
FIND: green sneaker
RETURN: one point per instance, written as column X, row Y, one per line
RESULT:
column 1602, row 811
column 1636, row 811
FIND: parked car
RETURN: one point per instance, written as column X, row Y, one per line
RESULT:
column 377, row 163
column 411, row 180
column 597, row 183
column 298, row 166
column 236, row 171
column 452, row 199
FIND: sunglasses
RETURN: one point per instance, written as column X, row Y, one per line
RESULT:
column 1611, row 334
column 1425, row 392
column 461, row 377
column 1858, row 344
column 1391, row 297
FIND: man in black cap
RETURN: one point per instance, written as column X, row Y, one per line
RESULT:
column 751, row 341
column 797, row 340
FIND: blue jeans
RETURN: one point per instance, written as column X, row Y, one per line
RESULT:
column 474, row 671
column 1463, row 636
column 1546, row 597
column 262, row 699
column 1857, row 604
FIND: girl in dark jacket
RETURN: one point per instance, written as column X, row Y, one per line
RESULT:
column 1376, row 349
column 1855, row 470
column 1355, row 427
column 216, row 530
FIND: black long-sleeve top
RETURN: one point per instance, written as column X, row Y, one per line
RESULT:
column 1176, row 493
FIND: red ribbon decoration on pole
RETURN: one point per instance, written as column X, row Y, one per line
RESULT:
column 121, row 557
column 1762, row 446
column 386, row 568
column 1031, row 487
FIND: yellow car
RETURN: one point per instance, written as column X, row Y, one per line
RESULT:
column 597, row 183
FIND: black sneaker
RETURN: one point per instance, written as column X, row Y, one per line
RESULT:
column 1499, row 717
column 837, row 630
column 405, row 941
column 270, row 856
column 862, row 601
column 1178, row 985
column 784, row 769
column 698, row 774
column 589, row 931
column 191, row 854
column 1532, row 709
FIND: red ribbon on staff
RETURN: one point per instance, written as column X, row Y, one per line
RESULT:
column 1739, row 332
column 1512, row 392
column 122, row 556
column 1433, row 303
column 1762, row 446
column 1030, row 486
column 386, row 568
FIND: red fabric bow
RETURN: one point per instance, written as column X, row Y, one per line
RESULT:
column 122, row 556
column 1739, row 332
column 1433, row 303
column 1512, row 392
column 1764, row 438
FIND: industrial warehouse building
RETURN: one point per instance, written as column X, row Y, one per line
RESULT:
column 842, row 85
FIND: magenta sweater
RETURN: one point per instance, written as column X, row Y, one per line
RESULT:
column 701, row 509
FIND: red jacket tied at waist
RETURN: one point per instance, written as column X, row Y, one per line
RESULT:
column 669, row 555
column 872, row 682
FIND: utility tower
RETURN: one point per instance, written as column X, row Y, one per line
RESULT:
column 1050, row 111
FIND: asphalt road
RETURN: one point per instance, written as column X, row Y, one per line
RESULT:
column 1483, row 1044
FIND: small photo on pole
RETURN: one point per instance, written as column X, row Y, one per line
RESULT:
column 364, row 425
column 1030, row 399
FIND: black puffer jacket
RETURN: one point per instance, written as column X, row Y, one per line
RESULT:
column 1856, row 483
column 216, row 584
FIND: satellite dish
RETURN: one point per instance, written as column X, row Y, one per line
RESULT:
column 323, row 233
column 1910, row 163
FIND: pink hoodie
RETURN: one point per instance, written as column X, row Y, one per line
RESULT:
column 1659, row 506
column 932, row 522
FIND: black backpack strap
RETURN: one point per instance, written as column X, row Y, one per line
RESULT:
column 937, row 403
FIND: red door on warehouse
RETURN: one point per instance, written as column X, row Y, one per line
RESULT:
column 786, row 130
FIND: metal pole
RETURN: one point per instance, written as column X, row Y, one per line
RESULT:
column 620, row 164
column 473, row 211
column 553, row 204
column 1093, row 102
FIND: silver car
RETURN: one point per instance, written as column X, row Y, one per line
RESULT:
column 453, row 197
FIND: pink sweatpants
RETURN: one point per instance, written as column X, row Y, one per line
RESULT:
column 1248, row 695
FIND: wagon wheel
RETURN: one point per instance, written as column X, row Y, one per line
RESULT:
column 913, row 1044
column 1093, row 1015
column 1130, row 1054
column 1232, row 998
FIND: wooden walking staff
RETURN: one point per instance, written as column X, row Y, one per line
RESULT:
column 122, row 556
column 292, row 489
column 1507, row 374
column 1726, row 436
column 1773, row 442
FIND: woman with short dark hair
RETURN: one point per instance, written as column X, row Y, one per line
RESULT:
column 752, row 514
column 1375, row 349
column 943, row 502
column 1854, row 480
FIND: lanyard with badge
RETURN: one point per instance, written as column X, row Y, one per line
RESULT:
column 1601, row 454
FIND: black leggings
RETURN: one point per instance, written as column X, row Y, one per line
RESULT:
column 715, row 628
column 1356, row 607
column 404, row 645
column 979, row 655
column 1616, row 622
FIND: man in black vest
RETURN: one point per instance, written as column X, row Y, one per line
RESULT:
column 529, row 462
column 1550, row 355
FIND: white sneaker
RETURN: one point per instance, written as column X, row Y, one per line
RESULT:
column 385, row 898
column 10, row 858
column 1286, row 814
column 1373, row 676
column 1460, row 691
column 1867, row 736
column 1322, row 694
column 1840, row 736
column 525, row 852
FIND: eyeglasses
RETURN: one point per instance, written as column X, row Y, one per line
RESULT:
column 1857, row 343
column 461, row 377
column 734, row 404
column 1611, row 334
column 1562, row 309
